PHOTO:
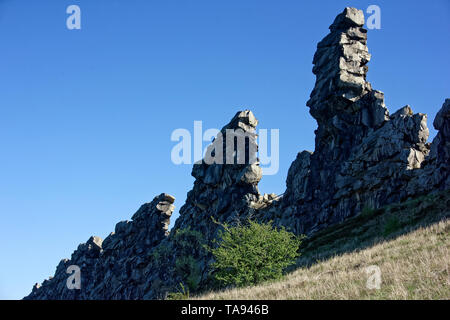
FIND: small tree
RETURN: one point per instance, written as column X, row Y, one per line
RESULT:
column 252, row 253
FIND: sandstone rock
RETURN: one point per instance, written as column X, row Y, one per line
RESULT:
column 110, row 269
column 405, row 111
column 363, row 157
column 251, row 174
column 351, row 17
column 442, row 117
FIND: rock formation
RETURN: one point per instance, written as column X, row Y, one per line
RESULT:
column 224, row 191
column 141, row 260
column 363, row 157
column 114, row 268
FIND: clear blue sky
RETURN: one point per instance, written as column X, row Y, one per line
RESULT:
column 86, row 115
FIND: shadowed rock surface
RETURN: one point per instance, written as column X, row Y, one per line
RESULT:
column 141, row 260
column 113, row 268
column 363, row 158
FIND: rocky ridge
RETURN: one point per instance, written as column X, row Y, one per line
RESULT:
column 363, row 157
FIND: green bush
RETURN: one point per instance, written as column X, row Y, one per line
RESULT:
column 191, row 247
column 252, row 253
column 187, row 240
column 187, row 267
column 182, row 294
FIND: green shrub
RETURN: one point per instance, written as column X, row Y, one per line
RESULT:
column 182, row 294
column 160, row 254
column 188, row 241
column 191, row 246
column 187, row 267
column 252, row 253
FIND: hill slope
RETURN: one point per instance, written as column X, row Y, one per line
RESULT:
column 409, row 242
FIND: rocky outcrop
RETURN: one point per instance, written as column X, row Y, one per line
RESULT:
column 436, row 167
column 363, row 157
column 141, row 260
column 224, row 190
column 440, row 148
column 115, row 267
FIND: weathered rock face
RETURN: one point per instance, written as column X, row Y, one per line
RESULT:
column 141, row 260
column 436, row 167
column 115, row 267
column 440, row 148
column 224, row 190
column 340, row 68
column 363, row 157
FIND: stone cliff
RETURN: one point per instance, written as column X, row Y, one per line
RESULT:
column 364, row 157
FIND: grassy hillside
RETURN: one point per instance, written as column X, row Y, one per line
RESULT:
column 408, row 242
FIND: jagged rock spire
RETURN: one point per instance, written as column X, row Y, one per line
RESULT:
column 363, row 156
column 226, row 188
column 340, row 62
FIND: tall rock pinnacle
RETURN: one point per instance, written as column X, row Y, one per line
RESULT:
column 363, row 157
column 340, row 63
column 224, row 189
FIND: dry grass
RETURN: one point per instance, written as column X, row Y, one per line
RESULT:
column 413, row 266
